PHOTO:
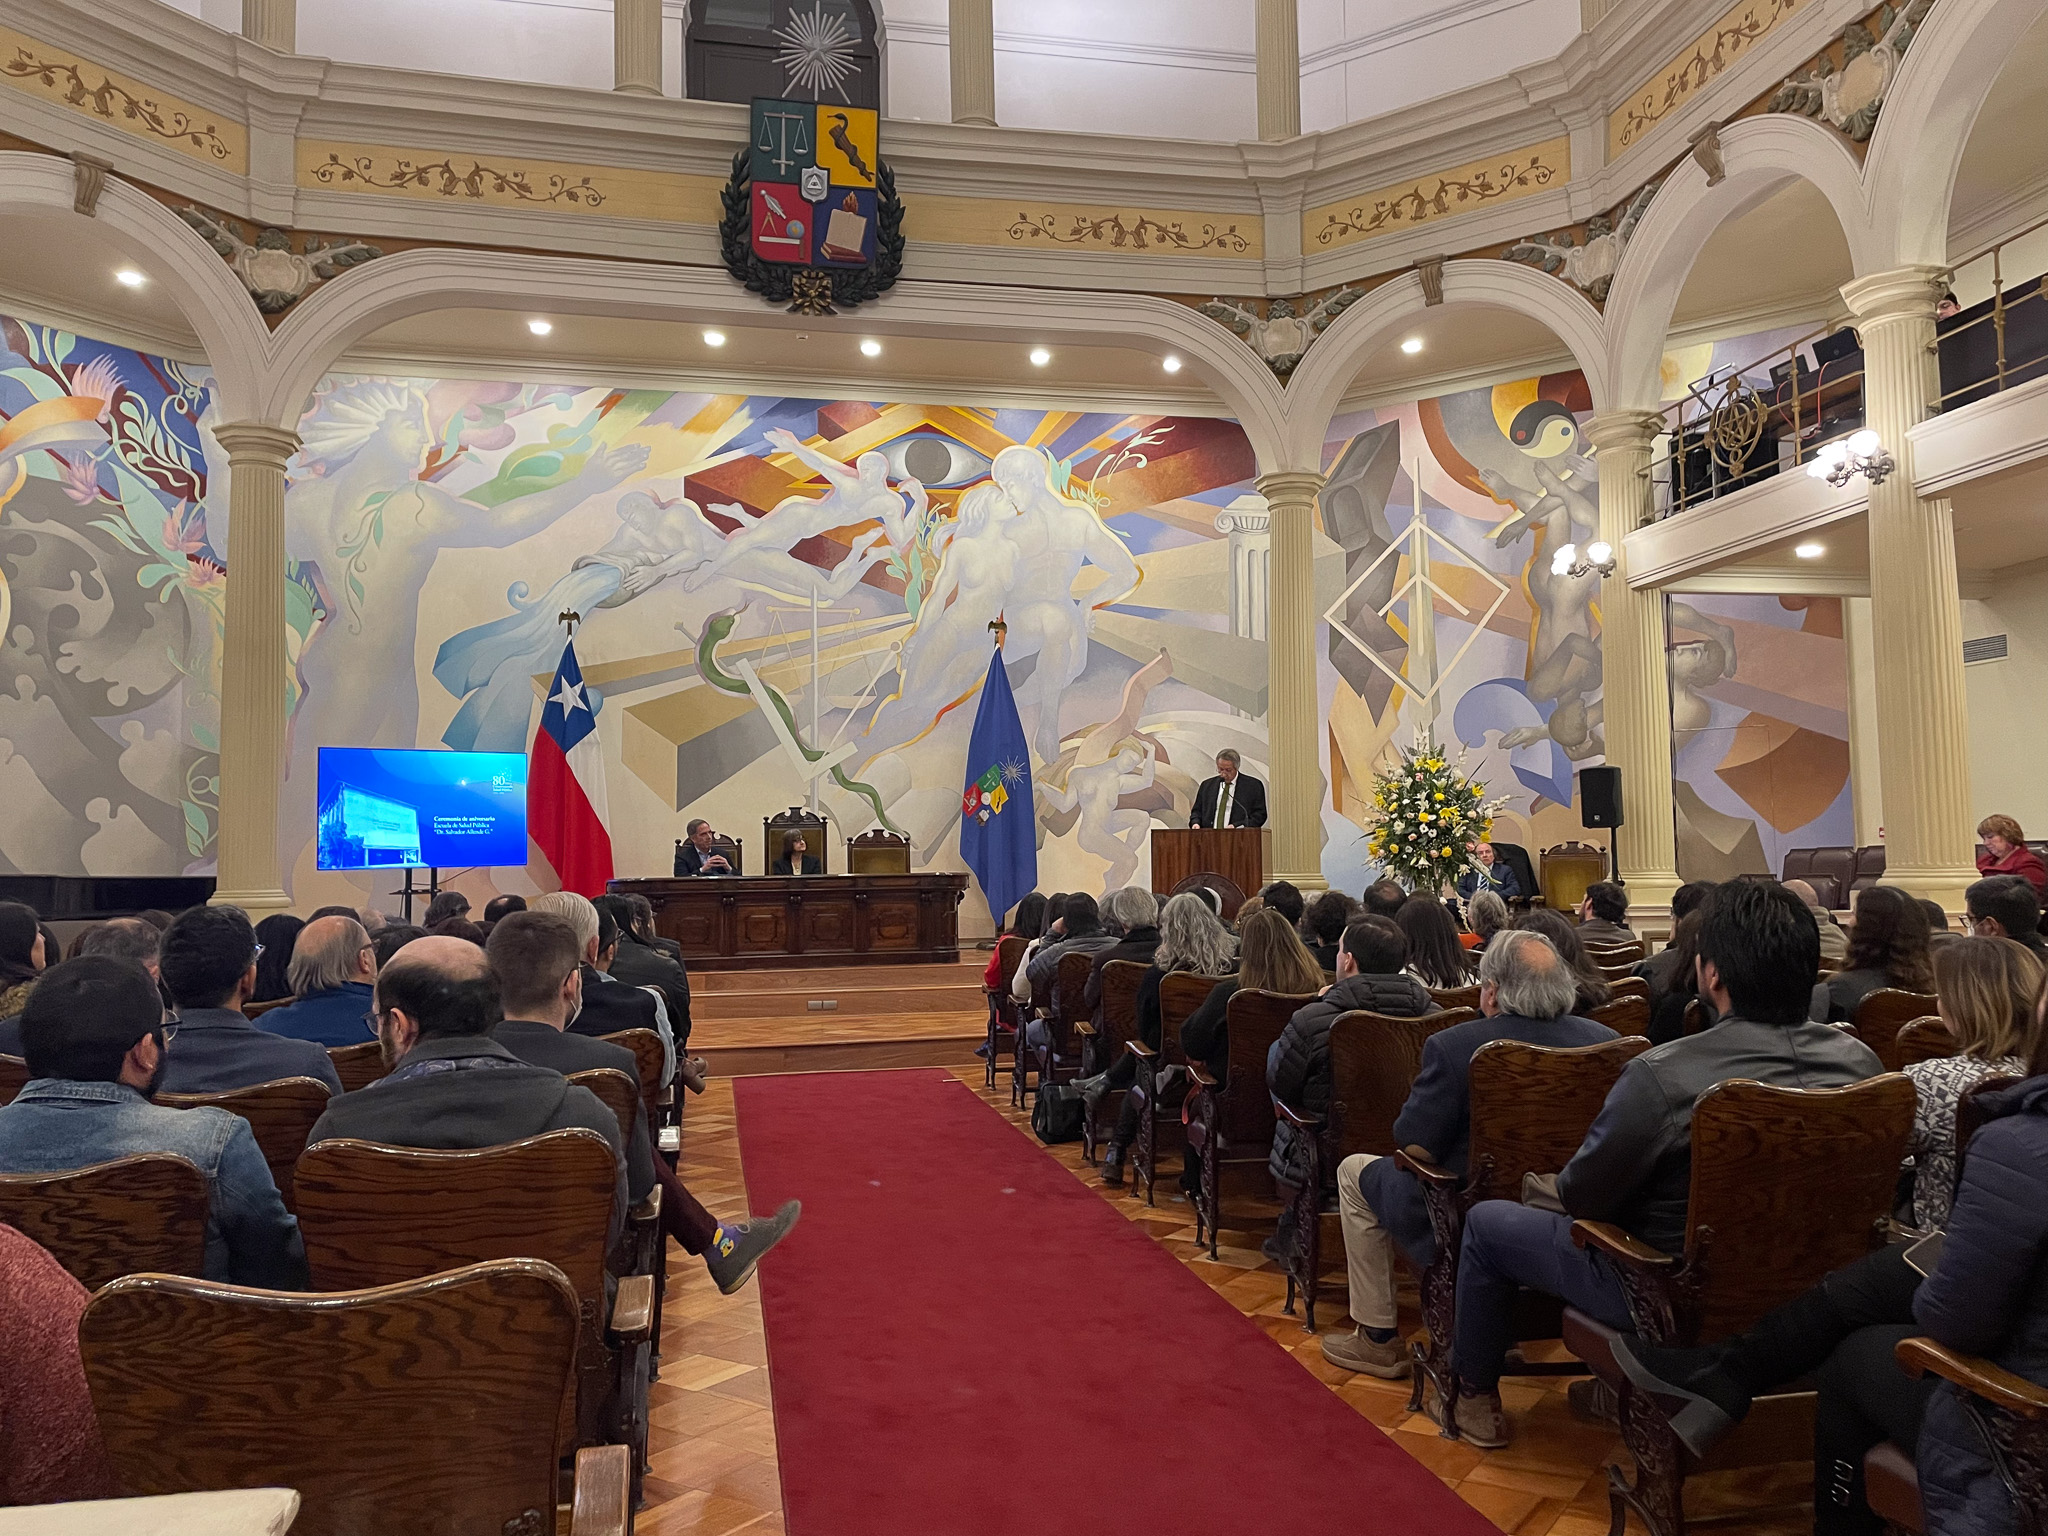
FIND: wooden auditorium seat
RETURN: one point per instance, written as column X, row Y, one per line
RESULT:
column 1180, row 994
column 1039, row 1006
column 1230, row 1124
column 1925, row 1039
column 357, row 1066
column 1883, row 1013
column 648, row 1059
column 1625, row 1013
column 426, row 1406
column 281, row 1113
column 146, row 1212
column 645, row 1239
column 1102, row 1043
column 1004, row 1029
column 1058, row 1058
column 1788, row 1185
column 1456, row 997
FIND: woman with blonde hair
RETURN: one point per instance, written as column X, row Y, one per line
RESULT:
column 1986, row 990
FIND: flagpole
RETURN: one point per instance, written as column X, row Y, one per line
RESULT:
column 1000, row 630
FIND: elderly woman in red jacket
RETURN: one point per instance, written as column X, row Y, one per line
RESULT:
column 2006, row 853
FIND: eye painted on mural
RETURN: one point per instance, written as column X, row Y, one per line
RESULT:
column 934, row 461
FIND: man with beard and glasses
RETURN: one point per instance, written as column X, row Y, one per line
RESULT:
column 98, row 1039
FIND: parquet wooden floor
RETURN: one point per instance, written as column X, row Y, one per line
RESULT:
column 712, row 1442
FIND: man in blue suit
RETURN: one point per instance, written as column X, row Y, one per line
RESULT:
column 1491, row 875
column 334, row 979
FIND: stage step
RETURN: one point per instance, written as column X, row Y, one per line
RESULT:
column 828, row 1042
column 797, row 978
column 845, row 993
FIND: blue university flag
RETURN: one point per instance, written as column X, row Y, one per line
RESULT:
column 998, row 822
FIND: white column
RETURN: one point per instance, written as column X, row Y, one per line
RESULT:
column 1915, row 611
column 273, row 23
column 253, row 669
column 971, row 54
column 1248, row 523
column 1636, row 686
column 1279, row 70
column 1293, row 723
column 1866, row 784
column 636, row 47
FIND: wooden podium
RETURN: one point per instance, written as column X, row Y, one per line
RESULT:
column 1238, row 854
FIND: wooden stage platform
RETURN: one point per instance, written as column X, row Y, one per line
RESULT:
column 749, row 1022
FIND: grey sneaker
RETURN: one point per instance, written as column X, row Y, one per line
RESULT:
column 1353, row 1351
column 732, row 1257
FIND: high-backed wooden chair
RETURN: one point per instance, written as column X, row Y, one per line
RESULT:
column 1456, row 997
column 357, row 1066
column 1626, row 985
column 257, row 1010
column 1057, row 1058
column 1924, row 1040
column 425, row 1407
column 1020, row 1058
column 1625, row 1014
column 1787, row 1185
column 1102, row 1043
column 1882, row 1014
column 13, row 1078
column 1004, row 1030
column 1531, row 1108
column 376, row 1215
column 146, row 1212
column 1373, row 1063
column 648, row 1058
column 878, row 852
column 645, row 1241
column 1230, row 1124
column 281, row 1113
column 1180, row 994
column 1699, row 1016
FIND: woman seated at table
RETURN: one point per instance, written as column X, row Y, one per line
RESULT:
column 796, row 858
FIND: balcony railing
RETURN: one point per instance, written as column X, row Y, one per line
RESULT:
column 2001, row 341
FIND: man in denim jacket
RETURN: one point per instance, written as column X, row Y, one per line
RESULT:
column 96, row 1039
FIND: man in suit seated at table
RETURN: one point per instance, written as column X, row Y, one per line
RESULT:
column 1231, row 799
column 208, row 965
column 796, row 857
column 696, row 856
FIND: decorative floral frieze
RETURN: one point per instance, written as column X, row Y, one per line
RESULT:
column 455, row 177
column 1849, row 93
column 435, row 175
column 1464, row 189
column 1129, row 231
column 1586, row 255
column 123, row 103
column 1712, row 53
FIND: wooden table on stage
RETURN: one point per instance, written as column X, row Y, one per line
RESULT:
column 755, row 922
column 1239, row 854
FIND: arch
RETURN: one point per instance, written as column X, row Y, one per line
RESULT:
column 341, row 313
column 1760, row 155
column 1956, row 58
column 1326, row 373
column 212, row 300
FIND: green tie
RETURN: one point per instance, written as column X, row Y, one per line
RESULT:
column 1223, row 804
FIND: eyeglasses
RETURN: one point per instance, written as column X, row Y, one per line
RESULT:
column 257, row 956
column 169, row 1027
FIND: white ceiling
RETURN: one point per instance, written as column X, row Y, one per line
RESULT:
column 2008, row 148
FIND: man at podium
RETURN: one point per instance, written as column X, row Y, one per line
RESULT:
column 1231, row 799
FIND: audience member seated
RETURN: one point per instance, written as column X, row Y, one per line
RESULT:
column 156, row 917
column 446, row 904
column 333, row 976
column 209, row 968
column 1435, row 957
column 22, row 956
column 50, row 1449
column 1668, row 1007
column 696, row 856
column 1488, row 915
column 1603, row 915
column 2005, row 907
column 2006, row 853
column 1370, row 976
column 1192, row 938
column 1662, row 971
column 498, row 908
column 796, row 857
column 1939, row 930
column 459, row 928
column 1079, row 931
column 639, row 963
column 1247, row 909
column 391, row 938
column 1285, row 898
column 1887, row 948
column 337, row 911
column 98, row 1042
column 1834, row 944
column 1595, row 991
column 1525, row 992
column 1758, row 958
column 277, row 936
column 1323, row 924
column 1050, row 931
column 1027, row 922
column 538, row 967
column 611, row 1005
column 1134, row 913
column 1491, row 875
column 1384, row 898
column 124, row 938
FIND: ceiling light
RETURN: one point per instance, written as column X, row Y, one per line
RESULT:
column 1040, row 357
column 716, row 338
column 1809, row 551
column 1412, row 345
column 128, row 277
column 871, row 348
column 1170, row 364
column 540, row 327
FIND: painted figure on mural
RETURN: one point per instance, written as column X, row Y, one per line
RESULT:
column 1093, row 791
column 857, row 496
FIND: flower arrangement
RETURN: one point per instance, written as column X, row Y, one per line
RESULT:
column 1425, row 813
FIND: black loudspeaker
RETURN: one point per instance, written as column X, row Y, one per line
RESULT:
column 1600, row 797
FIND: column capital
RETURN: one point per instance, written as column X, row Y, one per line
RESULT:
column 257, row 442
column 1291, row 487
column 1904, row 293
column 1624, row 430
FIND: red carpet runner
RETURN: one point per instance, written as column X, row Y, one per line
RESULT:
column 964, row 1340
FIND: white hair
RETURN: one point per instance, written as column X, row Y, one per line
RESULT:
column 1192, row 937
column 575, row 910
column 1530, row 978
column 1133, row 907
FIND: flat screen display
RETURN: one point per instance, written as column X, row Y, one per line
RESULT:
column 389, row 809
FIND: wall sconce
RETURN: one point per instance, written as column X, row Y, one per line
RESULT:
column 1844, row 459
column 1599, row 557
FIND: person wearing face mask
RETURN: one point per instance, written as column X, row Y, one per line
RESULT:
column 98, row 1040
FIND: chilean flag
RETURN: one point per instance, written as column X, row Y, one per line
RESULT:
column 565, row 800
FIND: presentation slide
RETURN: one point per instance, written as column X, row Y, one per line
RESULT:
column 386, row 809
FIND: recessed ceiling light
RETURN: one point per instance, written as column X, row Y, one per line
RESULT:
column 1809, row 551
column 1412, row 345
column 1040, row 357
column 1170, row 364
column 714, row 338
column 871, row 348
column 540, row 327
column 128, row 277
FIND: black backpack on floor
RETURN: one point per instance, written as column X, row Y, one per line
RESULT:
column 1057, row 1112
